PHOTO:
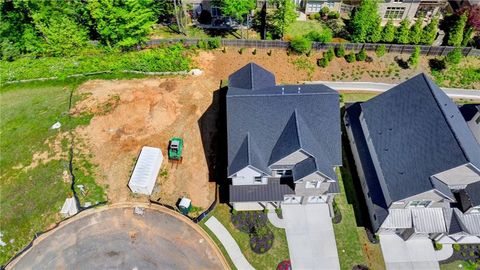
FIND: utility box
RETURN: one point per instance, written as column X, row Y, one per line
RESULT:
column 185, row 205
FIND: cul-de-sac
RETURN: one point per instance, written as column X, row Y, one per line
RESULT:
column 240, row 134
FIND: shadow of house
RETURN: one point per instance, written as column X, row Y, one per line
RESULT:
column 213, row 131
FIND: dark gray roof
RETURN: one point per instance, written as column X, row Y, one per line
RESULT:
column 469, row 110
column 273, row 191
column 380, row 207
column 251, row 76
column 451, row 220
column 304, row 168
column 442, row 188
column 472, row 192
column 279, row 120
column 417, row 131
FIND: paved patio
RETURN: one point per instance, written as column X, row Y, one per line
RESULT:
column 310, row 236
column 415, row 254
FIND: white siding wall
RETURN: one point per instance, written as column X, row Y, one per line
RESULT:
column 247, row 206
column 246, row 176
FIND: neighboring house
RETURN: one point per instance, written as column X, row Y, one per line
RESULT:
column 471, row 113
column 418, row 163
column 284, row 141
column 394, row 9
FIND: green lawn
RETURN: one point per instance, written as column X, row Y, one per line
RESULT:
column 31, row 196
column 458, row 265
column 268, row 260
column 352, row 243
column 300, row 28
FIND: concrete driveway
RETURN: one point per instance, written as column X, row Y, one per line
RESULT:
column 310, row 236
column 119, row 239
column 415, row 254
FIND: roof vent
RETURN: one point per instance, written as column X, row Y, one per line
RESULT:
column 390, row 129
column 298, row 91
column 451, row 116
column 386, row 149
column 283, row 90
column 402, row 173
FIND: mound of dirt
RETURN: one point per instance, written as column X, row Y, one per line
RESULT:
column 129, row 114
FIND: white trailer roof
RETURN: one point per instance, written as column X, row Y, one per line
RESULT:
column 146, row 170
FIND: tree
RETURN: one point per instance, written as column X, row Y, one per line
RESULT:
column 376, row 34
column 283, row 15
column 380, row 50
column 340, row 51
column 416, row 31
column 413, row 60
column 350, row 58
column 301, row 44
column 364, row 20
column 430, row 31
column 454, row 57
column 388, row 34
column 122, row 23
column 455, row 35
column 324, row 36
column 236, row 9
column 402, row 35
column 467, row 36
column 362, row 55
column 473, row 16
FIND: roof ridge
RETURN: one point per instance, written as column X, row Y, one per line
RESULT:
column 431, row 89
column 248, row 148
column 251, row 76
column 297, row 128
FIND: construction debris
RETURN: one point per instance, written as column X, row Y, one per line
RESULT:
column 138, row 211
column 57, row 125
column 69, row 208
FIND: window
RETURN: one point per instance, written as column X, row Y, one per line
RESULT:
column 394, row 13
column 314, row 7
column 282, row 173
column 477, row 120
column 423, row 203
column 312, row 184
column 258, row 179
column 330, row 5
column 216, row 12
column 398, row 1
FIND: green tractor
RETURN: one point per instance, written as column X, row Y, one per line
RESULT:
column 175, row 147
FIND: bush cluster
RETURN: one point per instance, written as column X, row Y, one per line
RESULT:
column 301, row 45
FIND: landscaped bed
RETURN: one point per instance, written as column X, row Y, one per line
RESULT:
column 465, row 253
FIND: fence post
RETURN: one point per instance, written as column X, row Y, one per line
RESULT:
column 469, row 51
column 429, row 48
column 444, row 48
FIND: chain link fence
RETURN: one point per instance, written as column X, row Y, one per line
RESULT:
column 271, row 44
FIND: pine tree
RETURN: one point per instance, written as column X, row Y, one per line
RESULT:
column 388, row 34
column 364, row 20
column 429, row 32
column 376, row 33
column 416, row 31
column 402, row 35
column 455, row 35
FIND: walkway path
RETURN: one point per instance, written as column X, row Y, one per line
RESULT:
column 229, row 243
column 382, row 87
column 444, row 253
column 275, row 220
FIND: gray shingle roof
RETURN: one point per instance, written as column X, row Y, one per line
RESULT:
column 304, row 168
column 274, row 191
column 417, row 131
column 380, row 207
column 472, row 192
column 267, row 111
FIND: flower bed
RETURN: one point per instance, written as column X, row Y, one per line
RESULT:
column 246, row 221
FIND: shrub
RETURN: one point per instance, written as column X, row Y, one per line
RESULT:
column 316, row 16
column 241, row 50
column 323, row 62
column 456, row 247
column 234, row 212
column 350, row 57
column 323, row 37
column 312, row 16
column 224, row 50
column 413, row 60
column 362, row 55
column 202, row 44
column 340, row 51
column 381, row 50
column 324, row 11
column 368, row 59
column 254, row 52
column 214, row 43
column 333, row 15
column 437, row 246
column 269, row 53
column 301, row 45
column 454, row 57
column 329, row 54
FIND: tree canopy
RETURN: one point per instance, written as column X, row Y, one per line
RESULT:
column 364, row 21
column 283, row 15
column 236, row 9
column 455, row 35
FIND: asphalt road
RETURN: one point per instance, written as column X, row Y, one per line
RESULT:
column 382, row 87
column 118, row 239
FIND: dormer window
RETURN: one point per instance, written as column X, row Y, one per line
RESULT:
column 312, row 184
column 420, row 203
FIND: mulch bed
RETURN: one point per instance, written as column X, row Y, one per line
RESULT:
column 467, row 252
column 246, row 221
column 261, row 244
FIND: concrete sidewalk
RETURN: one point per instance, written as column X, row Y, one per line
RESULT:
column 229, row 243
column 275, row 220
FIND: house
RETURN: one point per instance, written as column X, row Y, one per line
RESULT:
column 471, row 113
column 389, row 9
column 418, row 163
column 283, row 141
